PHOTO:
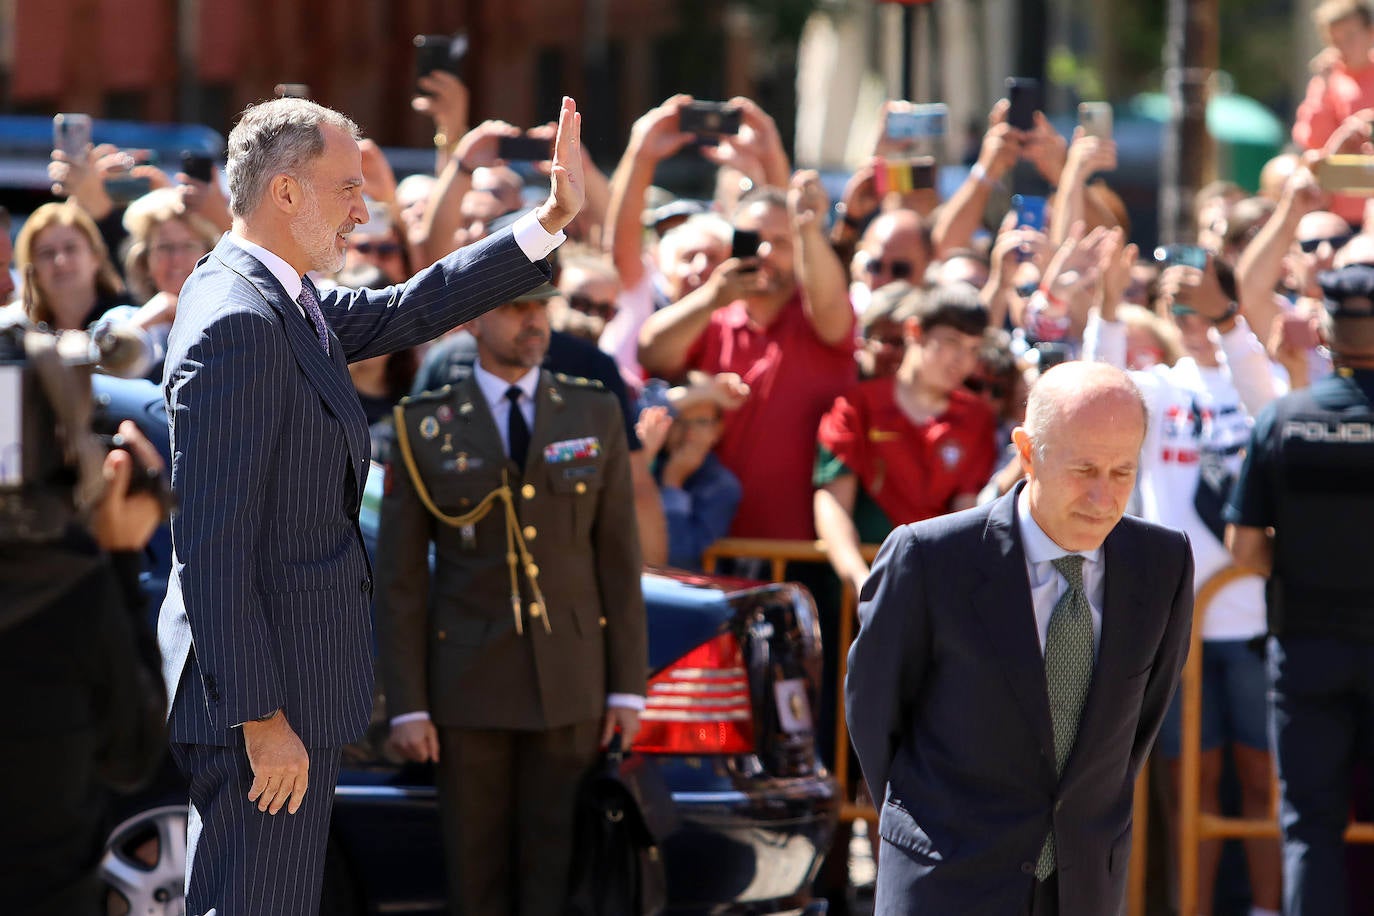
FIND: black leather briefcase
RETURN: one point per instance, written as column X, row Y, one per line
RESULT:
column 624, row 810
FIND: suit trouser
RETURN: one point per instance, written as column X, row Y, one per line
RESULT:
column 507, row 800
column 1322, row 716
column 244, row 862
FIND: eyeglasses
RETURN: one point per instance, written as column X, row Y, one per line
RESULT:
column 986, row 386
column 1310, row 246
column 898, row 270
column 589, row 306
column 380, row 249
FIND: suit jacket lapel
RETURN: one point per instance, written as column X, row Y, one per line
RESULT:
column 328, row 374
column 1003, row 604
column 548, row 412
column 476, row 413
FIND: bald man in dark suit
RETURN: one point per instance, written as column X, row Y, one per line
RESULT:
column 1013, row 666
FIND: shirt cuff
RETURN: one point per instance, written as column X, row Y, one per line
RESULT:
column 402, row 719
column 624, row 701
column 533, row 239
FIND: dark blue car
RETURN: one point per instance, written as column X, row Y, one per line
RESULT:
column 755, row 809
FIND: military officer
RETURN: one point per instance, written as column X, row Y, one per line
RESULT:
column 525, row 649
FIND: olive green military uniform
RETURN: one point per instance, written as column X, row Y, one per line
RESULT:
column 512, row 660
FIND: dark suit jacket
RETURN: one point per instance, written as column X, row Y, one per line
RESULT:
column 949, row 711
column 268, row 602
column 448, row 643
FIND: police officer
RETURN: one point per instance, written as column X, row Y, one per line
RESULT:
column 525, row 649
column 1309, row 474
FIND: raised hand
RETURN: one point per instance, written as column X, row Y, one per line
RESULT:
column 567, row 184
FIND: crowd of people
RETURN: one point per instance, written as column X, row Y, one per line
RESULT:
column 797, row 368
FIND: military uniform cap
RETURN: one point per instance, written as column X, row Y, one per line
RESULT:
column 1349, row 291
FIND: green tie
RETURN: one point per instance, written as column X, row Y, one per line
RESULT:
column 1068, row 672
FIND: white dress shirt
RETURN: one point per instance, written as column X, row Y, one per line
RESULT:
column 1047, row 586
column 494, row 391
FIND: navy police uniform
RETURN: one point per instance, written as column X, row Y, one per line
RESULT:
column 1309, row 474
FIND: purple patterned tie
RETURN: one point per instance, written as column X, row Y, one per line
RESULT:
column 312, row 309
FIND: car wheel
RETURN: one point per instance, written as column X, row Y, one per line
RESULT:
column 144, row 867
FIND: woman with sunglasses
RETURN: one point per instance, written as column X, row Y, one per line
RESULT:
column 1201, row 409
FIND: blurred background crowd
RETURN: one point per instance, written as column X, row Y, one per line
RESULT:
column 802, row 353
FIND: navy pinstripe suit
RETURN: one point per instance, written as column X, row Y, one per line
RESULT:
column 268, row 600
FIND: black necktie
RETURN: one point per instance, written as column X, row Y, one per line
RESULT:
column 519, row 430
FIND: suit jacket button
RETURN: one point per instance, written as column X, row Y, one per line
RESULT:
column 530, row 532
column 527, row 491
column 1028, row 868
column 366, row 586
column 534, row 610
column 580, row 488
column 602, row 621
column 441, row 635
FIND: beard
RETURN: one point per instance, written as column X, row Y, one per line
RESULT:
column 317, row 239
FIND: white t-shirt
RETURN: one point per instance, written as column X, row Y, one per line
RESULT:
column 1199, row 417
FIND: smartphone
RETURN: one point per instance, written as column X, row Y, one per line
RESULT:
column 71, row 133
column 906, row 175
column 1182, row 255
column 524, row 149
column 1024, row 95
column 716, row 119
column 125, row 189
column 440, row 52
column 1096, row 119
column 920, row 122
column 1030, row 211
column 292, row 91
column 1347, row 174
column 744, row 244
column 197, row 166
column 1051, row 353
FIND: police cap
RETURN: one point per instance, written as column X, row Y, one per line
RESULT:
column 1349, row 291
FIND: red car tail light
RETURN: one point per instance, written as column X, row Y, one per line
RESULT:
column 700, row 704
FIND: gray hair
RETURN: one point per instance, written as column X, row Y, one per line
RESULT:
column 273, row 138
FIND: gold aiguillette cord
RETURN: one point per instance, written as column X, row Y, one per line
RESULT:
column 517, row 550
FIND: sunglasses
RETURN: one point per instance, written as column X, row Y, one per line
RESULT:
column 898, row 270
column 1310, row 246
column 380, row 249
column 589, row 306
column 986, row 386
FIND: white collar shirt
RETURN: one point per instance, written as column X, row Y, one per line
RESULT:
column 1047, row 586
column 494, row 391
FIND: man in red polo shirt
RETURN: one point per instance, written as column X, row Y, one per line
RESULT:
column 903, row 449
column 783, row 322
